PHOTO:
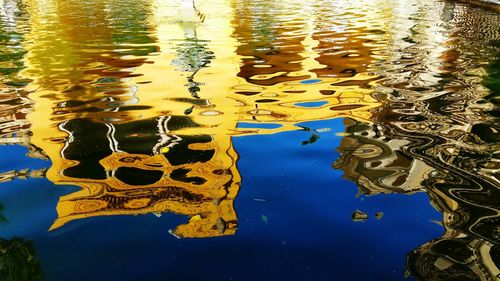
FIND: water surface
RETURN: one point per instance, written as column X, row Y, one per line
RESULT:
column 249, row 140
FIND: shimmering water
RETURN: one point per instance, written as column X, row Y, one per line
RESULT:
column 249, row 140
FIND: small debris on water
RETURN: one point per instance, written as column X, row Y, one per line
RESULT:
column 359, row 216
column 379, row 215
column 264, row 219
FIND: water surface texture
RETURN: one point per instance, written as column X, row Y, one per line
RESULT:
column 249, row 140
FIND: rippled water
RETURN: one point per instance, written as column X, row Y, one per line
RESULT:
column 303, row 140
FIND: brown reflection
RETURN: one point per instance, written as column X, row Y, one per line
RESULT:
column 343, row 49
column 456, row 255
column 270, row 43
column 380, row 160
column 13, row 110
column 281, row 84
column 379, row 164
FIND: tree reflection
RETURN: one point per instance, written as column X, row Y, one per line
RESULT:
column 192, row 53
column 18, row 261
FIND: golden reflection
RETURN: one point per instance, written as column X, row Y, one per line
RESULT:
column 140, row 110
column 82, row 66
column 280, row 82
column 132, row 163
column 190, row 175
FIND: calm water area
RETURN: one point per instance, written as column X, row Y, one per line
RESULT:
column 249, row 140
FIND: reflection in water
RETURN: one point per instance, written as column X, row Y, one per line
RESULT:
column 281, row 83
column 271, row 41
column 85, row 65
column 18, row 261
column 137, row 102
column 192, row 53
column 344, row 47
column 437, row 135
column 382, row 160
column 125, row 166
column 14, row 103
column 139, row 167
column 13, row 16
column 454, row 257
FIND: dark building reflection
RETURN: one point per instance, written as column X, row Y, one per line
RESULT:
column 439, row 136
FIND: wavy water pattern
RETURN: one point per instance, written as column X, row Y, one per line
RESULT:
column 437, row 132
column 137, row 103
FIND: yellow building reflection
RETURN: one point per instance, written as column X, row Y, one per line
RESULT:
column 139, row 108
column 123, row 154
column 139, row 167
column 278, row 81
